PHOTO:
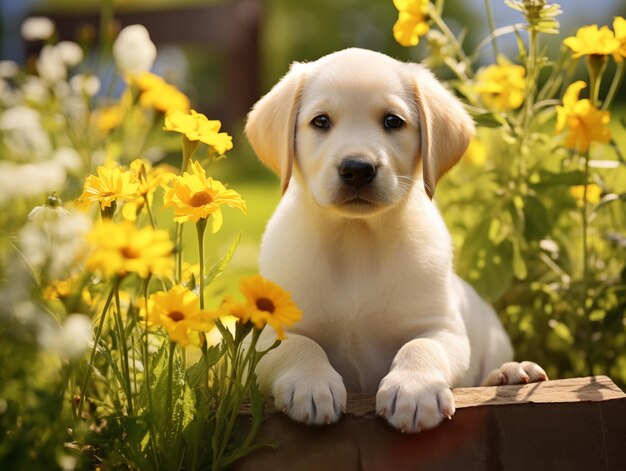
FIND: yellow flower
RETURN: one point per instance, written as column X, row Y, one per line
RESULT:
column 242, row 311
column 149, row 180
column 591, row 40
column 584, row 122
column 63, row 289
column 501, row 86
column 268, row 303
column 619, row 26
column 195, row 196
column 191, row 271
column 593, row 193
column 109, row 118
column 111, row 184
column 412, row 21
column 122, row 248
column 476, row 152
column 197, row 127
column 154, row 92
column 178, row 310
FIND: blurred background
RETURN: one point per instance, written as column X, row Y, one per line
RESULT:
column 224, row 55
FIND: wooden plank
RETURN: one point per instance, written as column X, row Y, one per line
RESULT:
column 592, row 388
column 571, row 425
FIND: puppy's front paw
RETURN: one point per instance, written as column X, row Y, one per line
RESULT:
column 312, row 397
column 413, row 402
column 513, row 372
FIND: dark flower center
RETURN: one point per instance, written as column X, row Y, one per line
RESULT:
column 200, row 199
column 264, row 304
column 130, row 252
column 176, row 316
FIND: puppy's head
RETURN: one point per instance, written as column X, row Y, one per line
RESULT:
column 357, row 129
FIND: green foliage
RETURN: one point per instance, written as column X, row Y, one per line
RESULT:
column 540, row 227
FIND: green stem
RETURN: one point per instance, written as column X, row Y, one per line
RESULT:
column 108, row 213
column 492, row 29
column 179, row 251
column 123, row 353
column 585, row 281
column 200, row 229
column 147, row 374
column 527, row 113
column 95, row 347
column 189, row 147
column 152, row 223
column 434, row 15
column 242, row 367
column 617, row 80
column 170, row 380
column 596, row 65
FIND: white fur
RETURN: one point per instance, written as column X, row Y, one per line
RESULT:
column 383, row 311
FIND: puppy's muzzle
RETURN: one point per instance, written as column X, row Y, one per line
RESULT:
column 357, row 173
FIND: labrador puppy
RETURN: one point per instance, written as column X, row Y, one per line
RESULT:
column 359, row 141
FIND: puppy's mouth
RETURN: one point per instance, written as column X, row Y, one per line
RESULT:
column 358, row 204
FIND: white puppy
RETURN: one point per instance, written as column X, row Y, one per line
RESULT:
column 360, row 141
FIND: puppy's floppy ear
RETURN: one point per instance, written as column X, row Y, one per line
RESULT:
column 271, row 124
column 445, row 127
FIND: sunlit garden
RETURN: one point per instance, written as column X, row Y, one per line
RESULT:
column 130, row 221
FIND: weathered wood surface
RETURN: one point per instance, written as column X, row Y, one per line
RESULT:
column 572, row 424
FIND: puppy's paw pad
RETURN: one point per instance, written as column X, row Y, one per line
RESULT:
column 312, row 399
column 516, row 373
column 414, row 404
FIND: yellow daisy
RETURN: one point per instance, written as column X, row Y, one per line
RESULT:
column 122, row 248
column 501, row 86
column 412, row 21
column 149, row 179
column 594, row 192
column 110, row 185
column 269, row 303
column 156, row 93
column 619, row 27
column 591, row 40
column 195, row 196
column 584, row 122
column 178, row 311
column 197, row 127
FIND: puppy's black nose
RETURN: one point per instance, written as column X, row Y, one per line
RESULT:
column 357, row 173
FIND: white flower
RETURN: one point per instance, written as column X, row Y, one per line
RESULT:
column 133, row 50
column 70, row 52
column 69, row 340
column 37, row 28
column 54, row 244
column 51, row 211
column 35, row 89
column 68, row 158
column 50, row 65
column 88, row 85
column 30, row 180
column 23, row 134
column 8, row 69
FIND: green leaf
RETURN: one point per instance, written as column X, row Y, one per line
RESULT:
column 485, row 265
column 519, row 265
column 489, row 120
column 523, row 54
column 220, row 266
column 197, row 372
column 608, row 199
column 562, row 332
column 537, row 222
column 546, row 178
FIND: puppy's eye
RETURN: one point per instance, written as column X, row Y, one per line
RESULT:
column 322, row 121
column 392, row 121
